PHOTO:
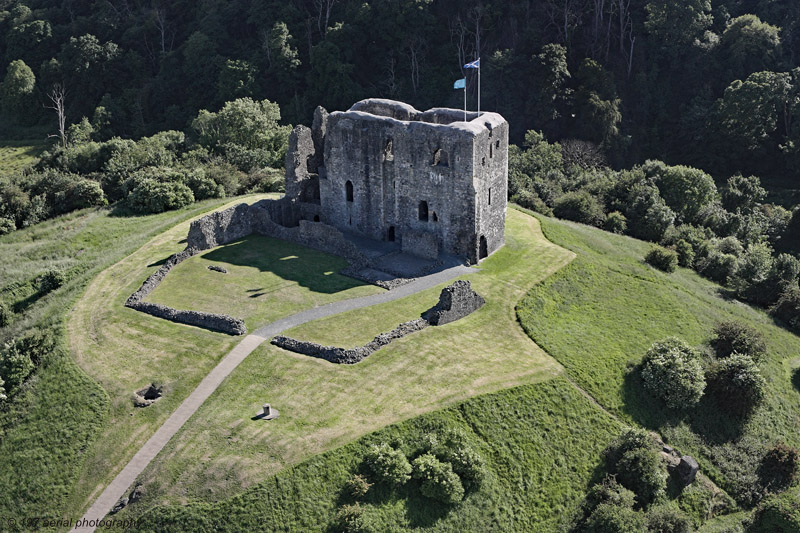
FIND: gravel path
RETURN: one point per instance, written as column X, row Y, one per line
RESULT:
column 121, row 484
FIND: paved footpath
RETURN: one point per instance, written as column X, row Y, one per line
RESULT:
column 120, row 485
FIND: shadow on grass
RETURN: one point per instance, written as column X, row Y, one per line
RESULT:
column 708, row 418
column 308, row 268
column 796, row 379
column 159, row 262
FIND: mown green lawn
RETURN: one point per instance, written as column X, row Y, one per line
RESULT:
column 323, row 405
column 47, row 431
column 267, row 279
column 598, row 317
column 541, row 443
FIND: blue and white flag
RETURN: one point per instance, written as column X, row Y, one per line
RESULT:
column 460, row 84
column 474, row 64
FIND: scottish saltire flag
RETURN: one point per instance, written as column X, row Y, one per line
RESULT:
column 460, row 84
column 474, row 64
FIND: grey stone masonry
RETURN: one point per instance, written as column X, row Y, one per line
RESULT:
column 455, row 302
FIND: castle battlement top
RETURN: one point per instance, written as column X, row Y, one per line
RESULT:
column 444, row 118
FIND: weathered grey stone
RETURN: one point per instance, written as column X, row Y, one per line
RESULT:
column 217, row 268
column 455, row 302
column 687, row 469
column 146, row 396
column 420, row 243
column 352, row 355
column 220, row 227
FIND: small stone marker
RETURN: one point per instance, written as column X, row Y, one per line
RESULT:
column 269, row 413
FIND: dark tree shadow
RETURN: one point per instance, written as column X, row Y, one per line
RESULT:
column 308, row 268
column 647, row 410
column 796, row 379
column 714, row 423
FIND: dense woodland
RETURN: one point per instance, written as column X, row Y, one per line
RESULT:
column 707, row 84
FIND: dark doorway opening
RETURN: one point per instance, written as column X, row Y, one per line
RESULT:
column 483, row 248
column 348, row 189
column 316, row 218
column 423, row 211
column 390, row 234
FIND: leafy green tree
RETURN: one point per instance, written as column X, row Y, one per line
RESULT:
column 678, row 24
column 737, row 337
column 609, row 518
column 236, row 79
column 736, row 384
column 391, row 466
column 439, row 482
column 742, row 193
column 686, row 190
column 30, row 41
column 748, row 45
column 597, row 106
column 17, row 89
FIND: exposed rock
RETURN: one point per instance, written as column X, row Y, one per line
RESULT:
column 119, row 506
column 687, row 469
column 147, row 396
column 455, row 302
column 217, row 268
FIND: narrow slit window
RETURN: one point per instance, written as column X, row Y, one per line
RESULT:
column 348, row 190
column 423, row 211
column 490, row 196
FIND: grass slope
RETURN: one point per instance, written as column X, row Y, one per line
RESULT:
column 221, row 450
column 599, row 315
column 16, row 155
column 541, row 443
column 46, row 430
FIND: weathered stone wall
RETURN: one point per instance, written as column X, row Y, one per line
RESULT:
column 220, row 227
column 352, row 355
column 212, row 321
column 421, row 244
column 455, row 302
column 428, row 172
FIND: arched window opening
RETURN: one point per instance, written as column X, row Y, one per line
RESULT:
column 435, row 217
column 388, row 151
column 423, row 211
column 440, row 158
column 348, row 189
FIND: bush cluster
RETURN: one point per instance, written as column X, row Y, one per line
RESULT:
column 439, row 482
column 662, row 259
column 633, row 458
column 389, row 465
column 779, row 468
column 735, row 337
column 736, row 384
column 673, row 372
column 727, row 234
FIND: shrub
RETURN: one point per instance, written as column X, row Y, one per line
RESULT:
column 629, row 439
column 779, row 467
column 616, row 222
column 6, row 225
column 389, row 465
column 357, row 486
column 672, row 371
column 51, row 280
column 351, row 519
column 779, row 514
column 86, row 193
column 685, row 253
column 530, row 200
column 732, row 336
column 439, row 482
column 579, row 206
column 202, row 186
column 467, row 463
column 15, row 366
column 642, row 471
column 665, row 519
column 609, row 518
column 150, row 196
column 5, row 315
column 787, row 308
column 662, row 259
column 717, row 266
column 262, row 180
column 737, row 384
column 608, row 491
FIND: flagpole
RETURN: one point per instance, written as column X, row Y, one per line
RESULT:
column 479, row 88
column 465, row 102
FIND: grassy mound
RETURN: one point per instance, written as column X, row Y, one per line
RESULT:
column 541, row 444
column 16, row 155
column 324, row 405
column 599, row 316
column 46, row 430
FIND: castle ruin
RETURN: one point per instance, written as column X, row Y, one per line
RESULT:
column 431, row 181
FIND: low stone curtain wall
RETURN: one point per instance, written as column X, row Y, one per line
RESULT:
column 212, row 321
column 456, row 301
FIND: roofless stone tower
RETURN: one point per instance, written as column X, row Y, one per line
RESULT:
column 384, row 170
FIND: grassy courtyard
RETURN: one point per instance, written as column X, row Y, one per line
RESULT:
column 599, row 316
column 325, row 405
column 267, row 279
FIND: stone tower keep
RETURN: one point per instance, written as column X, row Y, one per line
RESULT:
column 429, row 180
